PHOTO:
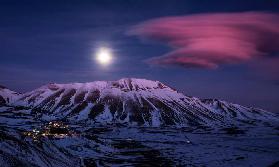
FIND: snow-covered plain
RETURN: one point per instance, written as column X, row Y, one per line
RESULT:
column 119, row 145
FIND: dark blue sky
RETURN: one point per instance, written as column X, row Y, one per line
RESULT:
column 54, row 41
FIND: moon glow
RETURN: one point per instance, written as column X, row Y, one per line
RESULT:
column 104, row 56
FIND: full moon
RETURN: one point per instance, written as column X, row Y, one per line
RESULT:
column 104, row 56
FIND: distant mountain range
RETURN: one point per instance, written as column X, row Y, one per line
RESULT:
column 129, row 101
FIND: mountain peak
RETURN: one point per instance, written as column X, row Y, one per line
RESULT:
column 136, row 84
column 125, row 84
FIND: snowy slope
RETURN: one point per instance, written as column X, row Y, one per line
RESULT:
column 27, row 138
column 7, row 96
column 236, row 111
column 118, row 145
column 133, row 101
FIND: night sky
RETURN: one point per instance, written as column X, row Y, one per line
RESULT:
column 55, row 41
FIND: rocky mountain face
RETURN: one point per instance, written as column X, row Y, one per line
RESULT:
column 132, row 101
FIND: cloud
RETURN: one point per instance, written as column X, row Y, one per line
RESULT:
column 209, row 40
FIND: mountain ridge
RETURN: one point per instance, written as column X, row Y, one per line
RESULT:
column 132, row 101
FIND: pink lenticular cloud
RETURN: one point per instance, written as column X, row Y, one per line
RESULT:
column 208, row 40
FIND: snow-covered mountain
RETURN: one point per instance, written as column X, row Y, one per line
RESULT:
column 133, row 101
column 7, row 96
column 90, row 127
